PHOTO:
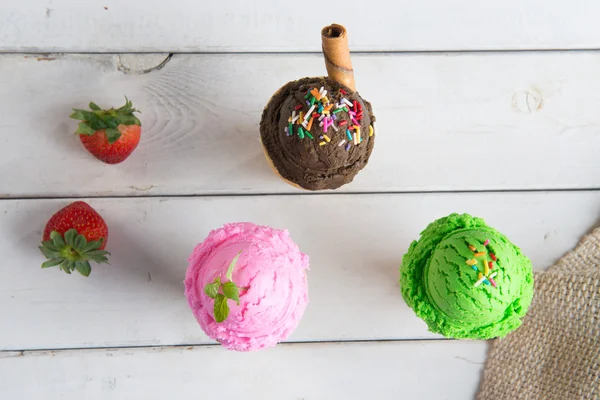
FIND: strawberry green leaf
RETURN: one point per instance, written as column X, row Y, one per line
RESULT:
column 211, row 290
column 231, row 291
column 52, row 263
column 57, row 240
column 70, row 236
column 81, row 115
column 66, row 266
column 84, row 129
column 221, row 309
column 232, row 265
column 93, row 245
column 80, row 243
column 49, row 253
column 112, row 134
column 129, row 120
column 83, row 267
column 94, row 107
column 97, row 122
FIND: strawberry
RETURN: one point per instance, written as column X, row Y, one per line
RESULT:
column 110, row 135
column 73, row 237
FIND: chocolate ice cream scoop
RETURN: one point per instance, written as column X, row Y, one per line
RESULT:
column 318, row 133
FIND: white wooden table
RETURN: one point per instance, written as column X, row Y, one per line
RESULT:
column 472, row 117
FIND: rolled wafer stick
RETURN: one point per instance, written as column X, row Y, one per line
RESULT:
column 337, row 55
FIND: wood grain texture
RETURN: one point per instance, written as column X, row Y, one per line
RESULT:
column 272, row 25
column 353, row 283
column 444, row 122
column 300, row 371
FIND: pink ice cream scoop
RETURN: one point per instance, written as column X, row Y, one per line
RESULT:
column 270, row 273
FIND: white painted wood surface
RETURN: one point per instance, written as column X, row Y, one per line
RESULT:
column 412, row 370
column 458, row 121
column 282, row 26
column 353, row 284
column 445, row 122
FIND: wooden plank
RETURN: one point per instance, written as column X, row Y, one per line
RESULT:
column 416, row 370
column 445, row 122
column 355, row 243
column 271, row 25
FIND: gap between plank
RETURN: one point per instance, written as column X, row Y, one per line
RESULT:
column 283, row 53
column 333, row 193
column 188, row 345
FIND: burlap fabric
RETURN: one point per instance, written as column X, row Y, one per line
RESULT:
column 555, row 354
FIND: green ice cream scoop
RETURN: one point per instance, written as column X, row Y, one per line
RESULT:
column 466, row 280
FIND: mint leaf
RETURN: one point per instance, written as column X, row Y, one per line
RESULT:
column 231, row 291
column 52, row 263
column 83, row 267
column 57, row 239
column 221, row 308
column 211, row 290
column 232, row 265
column 70, row 236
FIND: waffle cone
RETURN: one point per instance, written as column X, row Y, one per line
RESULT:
column 337, row 55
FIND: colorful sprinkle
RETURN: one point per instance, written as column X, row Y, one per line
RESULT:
column 301, row 132
column 471, row 262
column 493, row 282
column 493, row 256
column 329, row 114
column 474, row 268
column 480, row 275
column 487, row 241
column 371, row 130
column 486, row 281
column 493, row 275
column 342, row 91
column 481, row 253
column 491, row 264
column 486, row 268
column 472, row 248
column 480, row 281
